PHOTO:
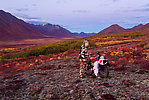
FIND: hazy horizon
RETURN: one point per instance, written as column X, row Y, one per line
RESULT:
column 81, row 15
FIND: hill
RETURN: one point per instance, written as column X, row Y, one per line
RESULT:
column 144, row 27
column 135, row 28
column 12, row 28
column 113, row 29
column 118, row 29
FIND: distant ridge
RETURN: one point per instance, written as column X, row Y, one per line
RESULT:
column 118, row 29
column 82, row 34
column 53, row 30
column 12, row 28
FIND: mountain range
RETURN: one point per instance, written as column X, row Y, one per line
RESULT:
column 53, row 31
column 12, row 28
column 82, row 34
column 115, row 28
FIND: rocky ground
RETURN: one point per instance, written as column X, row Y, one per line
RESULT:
column 59, row 79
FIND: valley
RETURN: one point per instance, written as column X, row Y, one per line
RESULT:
column 41, row 61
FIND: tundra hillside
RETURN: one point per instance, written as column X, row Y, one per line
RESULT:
column 52, row 71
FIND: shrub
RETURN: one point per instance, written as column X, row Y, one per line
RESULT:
column 134, row 34
column 54, row 48
column 0, row 58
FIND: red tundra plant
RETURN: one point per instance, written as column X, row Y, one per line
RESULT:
column 125, row 49
column 142, row 63
column 138, row 51
column 128, row 56
column 120, row 64
column 145, row 65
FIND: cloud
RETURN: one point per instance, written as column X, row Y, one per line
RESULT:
column 68, row 27
column 134, row 10
column 22, row 9
column 146, row 5
column 115, row 0
column 140, row 17
column 142, row 10
column 72, row 27
column 111, row 0
column 28, row 18
column 23, row 16
column 35, row 21
column 34, row 5
column 60, row 1
column 122, row 10
column 80, row 11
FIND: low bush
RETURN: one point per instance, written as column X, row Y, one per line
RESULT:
column 131, row 35
column 54, row 48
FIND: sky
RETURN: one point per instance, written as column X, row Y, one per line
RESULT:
column 80, row 15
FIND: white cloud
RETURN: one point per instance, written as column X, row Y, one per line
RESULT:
column 80, row 11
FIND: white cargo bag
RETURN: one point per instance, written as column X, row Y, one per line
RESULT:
column 96, row 68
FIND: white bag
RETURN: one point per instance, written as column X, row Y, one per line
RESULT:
column 96, row 68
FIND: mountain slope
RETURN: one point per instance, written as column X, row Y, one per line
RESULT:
column 135, row 28
column 113, row 29
column 144, row 27
column 118, row 29
column 12, row 28
column 141, row 28
column 53, row 30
